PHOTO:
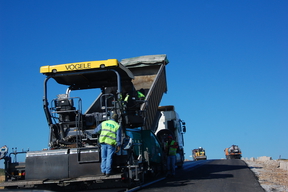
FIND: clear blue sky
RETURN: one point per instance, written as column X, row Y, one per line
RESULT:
column 227, row 75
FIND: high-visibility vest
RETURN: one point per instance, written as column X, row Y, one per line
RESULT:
column 108, row 132
column 140, row 95
column 126, row 98
column 172, row 150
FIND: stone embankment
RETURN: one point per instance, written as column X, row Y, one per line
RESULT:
column 281, row 164
column 272, row 174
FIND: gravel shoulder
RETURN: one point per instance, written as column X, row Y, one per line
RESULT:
column 271, row 176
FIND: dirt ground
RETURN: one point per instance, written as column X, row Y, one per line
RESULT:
column 270, row 176
column 1, row 180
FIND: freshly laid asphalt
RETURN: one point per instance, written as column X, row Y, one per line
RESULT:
column 212, row 175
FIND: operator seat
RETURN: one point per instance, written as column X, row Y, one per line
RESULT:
column 65, row 108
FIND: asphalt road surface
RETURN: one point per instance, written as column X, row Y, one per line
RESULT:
column 212, row 175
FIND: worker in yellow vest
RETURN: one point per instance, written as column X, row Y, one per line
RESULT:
column 171, row 149
column 109, row 139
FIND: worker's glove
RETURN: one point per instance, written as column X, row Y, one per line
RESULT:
column 117, row 149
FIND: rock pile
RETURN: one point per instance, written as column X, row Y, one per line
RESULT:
column 272, row 174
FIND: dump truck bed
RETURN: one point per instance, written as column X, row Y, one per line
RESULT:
column 149, row 74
